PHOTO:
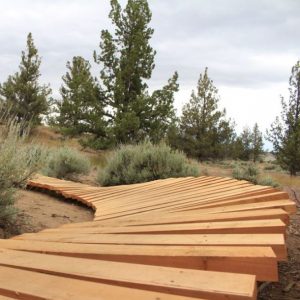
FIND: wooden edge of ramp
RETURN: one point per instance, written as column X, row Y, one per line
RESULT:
column 209, row 238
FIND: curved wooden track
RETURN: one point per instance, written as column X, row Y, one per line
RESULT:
column 207, row 238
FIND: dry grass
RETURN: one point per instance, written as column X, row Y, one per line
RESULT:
column 46, row 136
column 285, row 179
column 225, row 168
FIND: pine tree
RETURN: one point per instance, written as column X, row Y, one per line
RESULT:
column 246, row 141
column 21, row 94
column 257, row 143
column 127, row 61
column 160, row 114
column 81, row 109
column 285, row 130
column 204, row 129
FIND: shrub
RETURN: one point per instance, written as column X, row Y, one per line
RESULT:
column 249, row 172
column 66, row 163
column 268, row 181
column 18, row 162
column 145, row 162
column 270, row 167
column 273, row 167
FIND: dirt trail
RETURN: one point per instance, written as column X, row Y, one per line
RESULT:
column 38, row 211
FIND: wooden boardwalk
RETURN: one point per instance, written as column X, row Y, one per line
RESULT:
column 207, row 238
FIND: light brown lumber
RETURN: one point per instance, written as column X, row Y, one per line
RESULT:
column 253, row 226
column 172, row 200
column 288, row 205
column 25, row 285
column 190, row 217
column 276, row 241
column 170, row 204
column 259, row 261
column 154, row 186
column 216, row 204
column 253, row 197
column 167, row 189
column 161, row 279
column 191, row 202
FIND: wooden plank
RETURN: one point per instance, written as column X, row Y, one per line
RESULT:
column 288, row 205
column 25, row 285
column 204, row 224
column 259, row 261
column 173, row 202
column 276, row 241
column 253, row 226
column 161, row 279
column 190, row 217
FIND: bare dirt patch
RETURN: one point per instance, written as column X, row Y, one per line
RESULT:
column 38, row 211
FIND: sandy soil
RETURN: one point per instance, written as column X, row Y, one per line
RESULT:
column 38, row 211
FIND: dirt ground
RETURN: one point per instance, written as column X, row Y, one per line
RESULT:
column 38, row 211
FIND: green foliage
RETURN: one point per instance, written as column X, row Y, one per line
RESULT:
column 270, row 167
column 249, row 145
column 204, row 130
column 18, row 162
column 21, row 94
column 145, row 162
column 127, row 61
column 246, row 142
column 249, row 172
column 66, row 163
column 268, row 181
column 257, row 143
column 285, row 130
column 81, row 109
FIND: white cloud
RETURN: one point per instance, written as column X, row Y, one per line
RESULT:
column 249, row 47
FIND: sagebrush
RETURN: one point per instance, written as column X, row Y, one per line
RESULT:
column 250, row 172
column 145, row 162
column 18, row 162
column 66, row 163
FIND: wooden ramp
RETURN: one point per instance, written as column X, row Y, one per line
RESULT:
column 207, row 238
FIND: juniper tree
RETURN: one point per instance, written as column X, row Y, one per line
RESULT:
column 22, row 94
column 127, row 61
column 205, row 131
column 246, row 142
column 285, row 130
column 81, row 108
column 160, row 114
column 257, row 143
